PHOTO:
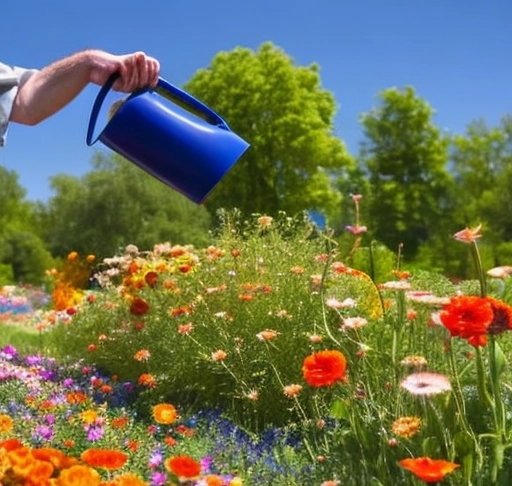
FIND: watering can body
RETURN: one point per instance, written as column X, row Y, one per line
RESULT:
column 172, row 136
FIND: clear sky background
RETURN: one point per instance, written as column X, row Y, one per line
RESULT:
column 457, row 54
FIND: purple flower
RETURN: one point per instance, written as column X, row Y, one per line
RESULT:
column 10, row 351
column 68, row 382
column 158, row 478
column 33, row 360
column 206, row 463
column 43, row 432
column 155, row 459
column 95, row 433
column 50, row 418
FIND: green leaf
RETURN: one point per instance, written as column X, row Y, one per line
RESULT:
column 339, row 409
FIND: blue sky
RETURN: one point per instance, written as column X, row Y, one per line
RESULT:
column 456, row 53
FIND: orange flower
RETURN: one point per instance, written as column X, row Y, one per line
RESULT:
column 406, row 426
column 468, row 317
column 110, row 459
column 183, row 466
column 292, row 391
column 468, row 235
column 219, row 355
column 79, row 476
column 165, row 413
column 428, row 470
column 213, row 480
column 265, row 221
column 324, row 368
column 6, row 423
column 185, row 328
column 139, row 307
column 147, row 379
column 142, row 355
column 73, row 256
column 119, row 422
column 266, row 335
column 128, row 479
column 10, row 444
column 57, row 458
column 90, row 258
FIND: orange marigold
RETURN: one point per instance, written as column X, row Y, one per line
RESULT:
column 324, row 368
column 79, row 475
column 165, row 413
column 427, row 469
column 183, row 466
column 110, row 459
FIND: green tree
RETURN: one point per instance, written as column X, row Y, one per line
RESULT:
column 405, row 156
column 482, row 164
column 23, row 256
column 287, row 117
column 117, row 204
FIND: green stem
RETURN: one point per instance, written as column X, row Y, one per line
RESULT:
column 479, row 269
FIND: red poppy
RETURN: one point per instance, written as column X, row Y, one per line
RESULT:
column 183, row 466
column 139, row 307
column 110, row 459
column 324, row 368
column 428, row 470
column 468, row 317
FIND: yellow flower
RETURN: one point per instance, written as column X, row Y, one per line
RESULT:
column 406, row 426
column 89, row 416
column 6, row 423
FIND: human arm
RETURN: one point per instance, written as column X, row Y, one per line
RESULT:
column 47, row 91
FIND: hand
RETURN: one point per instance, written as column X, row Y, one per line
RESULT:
column 136, row 70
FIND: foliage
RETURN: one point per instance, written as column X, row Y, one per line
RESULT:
column 23, row 256
column 252, row 281
column 482, row 164
column 405, row 156
column 287, row 117
column 116, row 204
column 370, row 383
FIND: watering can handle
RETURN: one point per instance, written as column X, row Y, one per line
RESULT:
column 194, row 104
column 184, row 97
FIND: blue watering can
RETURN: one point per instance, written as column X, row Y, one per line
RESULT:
column 172, row 136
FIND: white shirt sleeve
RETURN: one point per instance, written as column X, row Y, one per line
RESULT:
column 11, row 78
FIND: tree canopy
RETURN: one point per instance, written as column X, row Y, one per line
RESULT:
column 287, row 117
column 405, row 156
column 118, row 204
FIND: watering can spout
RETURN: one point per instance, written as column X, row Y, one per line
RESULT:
column 171, row 135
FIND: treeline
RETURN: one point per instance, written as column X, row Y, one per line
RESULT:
column 419, row 184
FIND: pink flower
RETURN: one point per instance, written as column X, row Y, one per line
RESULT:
column 356, row 230
column 426, row 384
column 468, row 235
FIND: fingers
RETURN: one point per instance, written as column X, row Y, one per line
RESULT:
column 137, row 71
